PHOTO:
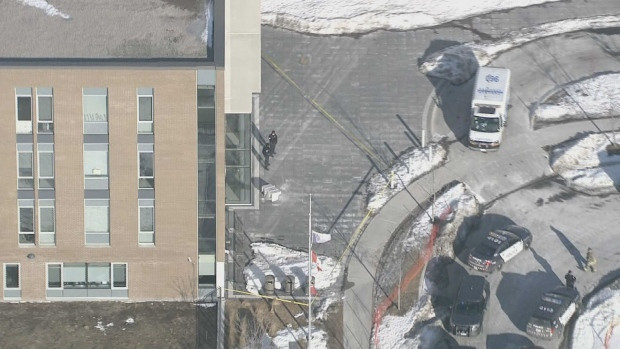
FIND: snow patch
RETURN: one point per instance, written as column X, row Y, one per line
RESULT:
column 332, row 17
column 596, row 97
column 459, row 63
column 601, row 318
column 585, row 164
column 407, row 168
column 50, row 10
column 284, row 337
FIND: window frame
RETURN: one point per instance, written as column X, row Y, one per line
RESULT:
column 47, row 276
column 19, row 276
column 49, row 129
column 147, row 148
column 96, row 181
column 26, row 204
column 41, row 150
column 19, row 175
column 112, row 275
column 96, row 203
column 146, row 203
column 145, row 93
column 97, row 126
column 46, row 204
column 23, row 126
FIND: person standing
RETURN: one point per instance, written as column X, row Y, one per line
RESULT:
column 590, row 261
column 570, row 279
column 273, row 140
column 266, row 154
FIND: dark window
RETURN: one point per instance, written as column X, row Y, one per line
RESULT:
column 24, row 109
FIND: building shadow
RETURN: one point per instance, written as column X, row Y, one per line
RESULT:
column 572, row 249
column 453, row 83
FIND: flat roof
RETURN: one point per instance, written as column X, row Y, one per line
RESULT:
column 106, row 29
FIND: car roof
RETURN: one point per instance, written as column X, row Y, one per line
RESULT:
column 517, row 230
column 472, row 288
column 553, row 302
column 497, row 237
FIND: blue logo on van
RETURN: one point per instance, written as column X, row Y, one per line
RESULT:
column 492, row 78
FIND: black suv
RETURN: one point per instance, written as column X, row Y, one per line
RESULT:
column 553, row 312
column 468, row 310
column 498, row 247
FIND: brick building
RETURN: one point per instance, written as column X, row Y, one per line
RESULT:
column 127, row 132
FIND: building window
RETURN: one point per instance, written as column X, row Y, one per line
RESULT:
column 146, row 234
column 47, row 222
column 87, row 275
column 25, row 178
column 97, row 222
column 11, row 276
column 45, row 110
column 145, row 110
column 54, row 275
column 95, row 109
column 119, row 275
column 23, row 108
column 146, row 160
column 238, row 155
column 26, row 222
column 46, row 165
column 95, row 166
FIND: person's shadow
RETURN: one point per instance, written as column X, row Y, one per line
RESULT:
column 572, row 249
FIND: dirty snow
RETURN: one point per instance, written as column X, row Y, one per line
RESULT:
column 459, row 63
column 273, row 259
column 101, row 327
column 600, row 321
column 330, row 17
column 284, row 337
column 595, row 97
column 130, row 320
column 50, row 10
column 206, row 37
column 407, row 168
column 585, row 165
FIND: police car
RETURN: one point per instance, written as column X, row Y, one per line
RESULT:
column 553, row 312
column 498, row 247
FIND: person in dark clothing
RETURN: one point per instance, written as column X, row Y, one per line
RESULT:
column 273, row 140
column 570, row 279
column 266, row 154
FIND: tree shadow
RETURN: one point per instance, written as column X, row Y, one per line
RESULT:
column 454, row 67
column 572, row 249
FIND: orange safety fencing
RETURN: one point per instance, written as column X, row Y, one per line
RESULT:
column 411, row 274
column 610, row 331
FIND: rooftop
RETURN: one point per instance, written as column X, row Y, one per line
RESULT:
column 103, row 29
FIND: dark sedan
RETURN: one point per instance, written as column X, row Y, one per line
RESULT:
column 498, row 247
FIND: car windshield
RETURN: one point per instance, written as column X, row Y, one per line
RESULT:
column 484, row 250
column 468, row 307
column 482, row 124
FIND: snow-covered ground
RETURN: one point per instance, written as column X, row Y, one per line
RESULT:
column 459, row 63
column 596, row 97
column 273, row 259
column 50, row 10
column 402, row 331
column 407, row 168
column 331, row 17
column 598, row 327
column 585, row 164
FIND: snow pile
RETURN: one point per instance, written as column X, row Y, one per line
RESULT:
column 50, row 10
column 595, row 97
column 290, row 335
column 332, row 17
column 599, row 322
column 102, row 327
column 459, row 63
column 585, row 164
column 407, row 168
column 279, row 261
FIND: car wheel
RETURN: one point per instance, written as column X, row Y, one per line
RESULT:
column 499, row 266
column 526, row 245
